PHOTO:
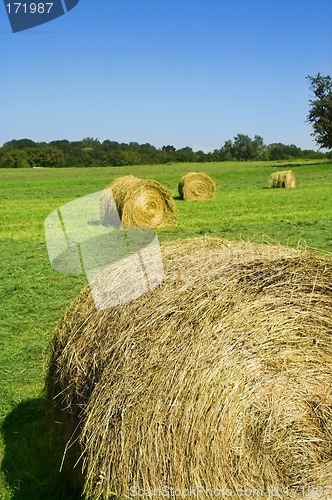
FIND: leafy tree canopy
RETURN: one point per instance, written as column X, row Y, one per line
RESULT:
column 19, row 144
column 320, row 114
column 90, row 152
column 14, row 158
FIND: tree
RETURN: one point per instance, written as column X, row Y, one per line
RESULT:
column 259, row 149
column 320, row 114
column 200, row 156
column 62, row 144
column 168, row 149
column 226, row 152
column 244, row 149
column 90, row 142
column 214, row 155
column 185, row 155
column 279, row 151
column 20, row 144
column 45, row 156
column 14, row 158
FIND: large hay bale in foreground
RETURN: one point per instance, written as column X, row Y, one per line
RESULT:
column 139, row 202
column 219, row 378
column 283, row 179
column 196, row 186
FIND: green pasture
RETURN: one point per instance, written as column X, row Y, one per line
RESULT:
column 33, row 296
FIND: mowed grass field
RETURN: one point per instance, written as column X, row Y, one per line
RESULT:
column 33, row 296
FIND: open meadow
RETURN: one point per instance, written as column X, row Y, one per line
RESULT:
column 33, row 296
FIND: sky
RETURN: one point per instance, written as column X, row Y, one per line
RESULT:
column 181, row 72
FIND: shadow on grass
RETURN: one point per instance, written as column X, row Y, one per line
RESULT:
column 32, row 461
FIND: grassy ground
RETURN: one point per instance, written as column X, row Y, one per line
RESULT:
column 33, row 296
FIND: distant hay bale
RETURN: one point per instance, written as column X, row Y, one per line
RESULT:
column 196, row 186
column 219, row 378
column 138, row 202
column 284, row 179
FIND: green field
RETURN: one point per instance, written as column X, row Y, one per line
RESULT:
column 33, row 296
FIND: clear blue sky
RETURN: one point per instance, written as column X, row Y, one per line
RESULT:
column 183, row 72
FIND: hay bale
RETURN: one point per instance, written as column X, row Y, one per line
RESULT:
column 283, row 179
column 112, row 198
column 196, row 186
column 139, row 202
column 219, row 378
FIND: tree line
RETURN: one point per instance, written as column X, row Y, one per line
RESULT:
column 89, row 152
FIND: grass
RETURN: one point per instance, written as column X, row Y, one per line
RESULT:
column 33, row 296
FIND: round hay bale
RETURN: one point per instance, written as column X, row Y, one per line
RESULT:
column 283, row 179
column 196, row 186
column 139, row 202
column 219, row 379
column 111, row 201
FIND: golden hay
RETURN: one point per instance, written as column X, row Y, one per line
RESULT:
column 139, row 202
column 196, row 186
column 108, row 204
column 219, row 378
column 284, row 179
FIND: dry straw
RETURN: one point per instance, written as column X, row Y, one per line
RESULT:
column 284, row 179
column 139, row 202
column 219, row 378
column 196, row 186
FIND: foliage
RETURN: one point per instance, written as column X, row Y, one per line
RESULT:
column 13, row 158
column 92, row 153
column 278, row 151
column 246, row 149
column 320, row 114
column 20, row 144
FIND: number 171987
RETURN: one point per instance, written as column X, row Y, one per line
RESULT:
column 32, row 8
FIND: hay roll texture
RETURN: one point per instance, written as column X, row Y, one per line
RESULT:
column 139, row 202
column 284, row 179
column 220, row 377
column 196, row 186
